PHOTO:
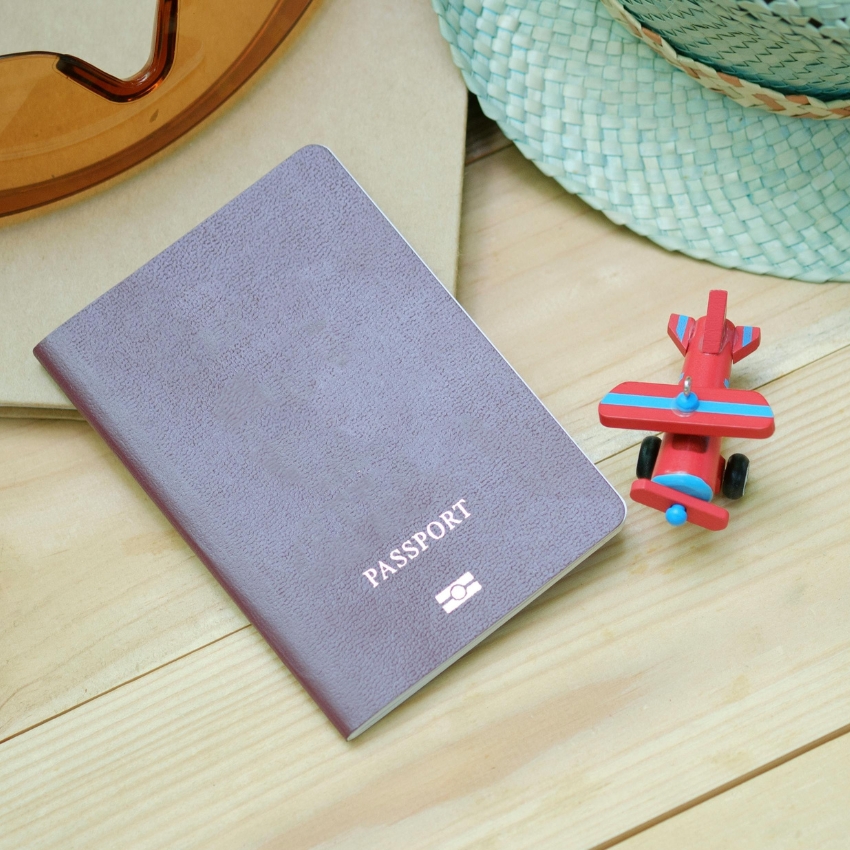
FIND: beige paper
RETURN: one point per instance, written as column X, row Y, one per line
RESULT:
column 371, row 79
column 113, row 35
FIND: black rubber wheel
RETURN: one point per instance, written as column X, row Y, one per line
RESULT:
column 735, row 476
column 647, row 456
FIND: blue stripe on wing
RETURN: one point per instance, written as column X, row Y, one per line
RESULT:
column 680, row 327
column 656, row 403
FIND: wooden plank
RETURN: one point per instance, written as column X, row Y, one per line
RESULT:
column 674, row 662
column 95, row 585
column 797, row 806
column 579, row 305
column 575, row 303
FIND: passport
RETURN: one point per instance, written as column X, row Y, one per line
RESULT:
column 334, row 437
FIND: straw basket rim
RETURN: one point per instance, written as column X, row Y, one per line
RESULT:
column 745, row 92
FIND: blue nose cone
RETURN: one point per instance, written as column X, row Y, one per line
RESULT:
column 687, row 403
column 676, row 515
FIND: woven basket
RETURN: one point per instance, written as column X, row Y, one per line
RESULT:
column 614, row 122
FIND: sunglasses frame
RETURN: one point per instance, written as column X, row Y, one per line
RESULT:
column 153, row 83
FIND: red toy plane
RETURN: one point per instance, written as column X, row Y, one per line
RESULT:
column 682, row 472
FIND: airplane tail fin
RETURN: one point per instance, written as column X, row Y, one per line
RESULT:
column 715, row 322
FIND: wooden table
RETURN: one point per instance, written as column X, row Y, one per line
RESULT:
column 682, row 689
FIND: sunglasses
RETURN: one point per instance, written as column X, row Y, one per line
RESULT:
column 66, row 125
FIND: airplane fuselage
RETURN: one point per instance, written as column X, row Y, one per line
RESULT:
column 690, row 463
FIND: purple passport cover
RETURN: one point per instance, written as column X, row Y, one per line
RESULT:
column 308, row 406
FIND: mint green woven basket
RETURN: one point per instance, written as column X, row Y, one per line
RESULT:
column 613, row 122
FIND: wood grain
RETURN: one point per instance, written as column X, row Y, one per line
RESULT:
column 575, row 303
column 95, row 585
column 672, row 663
column 578, row 305
column 797, row 806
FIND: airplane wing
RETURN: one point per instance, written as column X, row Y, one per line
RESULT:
column 746, row 341
column 681, row 329
column 719, row 412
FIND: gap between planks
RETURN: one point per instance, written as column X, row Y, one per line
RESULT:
column 124, row 683
column 722, row 789
column 483, row 136
column 697, row 800
column 627, row 443
column 610, row 456
column 579, row 323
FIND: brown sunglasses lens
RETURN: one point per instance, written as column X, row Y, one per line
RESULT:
column 66, row 125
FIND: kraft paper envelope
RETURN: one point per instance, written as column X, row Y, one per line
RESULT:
column 370, row 79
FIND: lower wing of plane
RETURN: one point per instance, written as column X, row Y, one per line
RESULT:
column 707, row 412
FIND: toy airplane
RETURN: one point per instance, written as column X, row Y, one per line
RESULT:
column 681, row 473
